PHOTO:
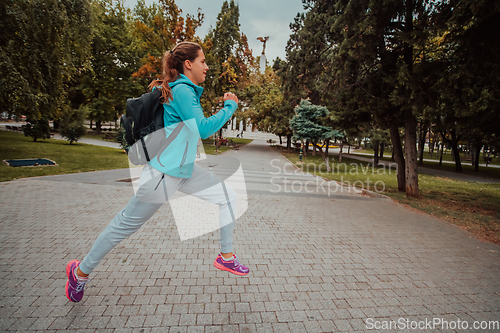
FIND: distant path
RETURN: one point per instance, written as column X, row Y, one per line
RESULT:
column 435, row 161
column 433, row 172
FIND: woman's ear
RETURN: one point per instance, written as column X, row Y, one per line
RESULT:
column 188, row 64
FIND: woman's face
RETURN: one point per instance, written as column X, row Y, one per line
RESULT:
column 196, row 70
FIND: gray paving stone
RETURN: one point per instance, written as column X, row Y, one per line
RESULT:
column 204, row 319
column 196, row 329
column 318, row 263
column 220, row 318
column 41, row 324
column 153, row 321
column 213, row 329
column 187, row 319
column 170, row 320
column 61, row 323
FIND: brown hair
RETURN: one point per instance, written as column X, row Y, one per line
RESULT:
column 173, row 65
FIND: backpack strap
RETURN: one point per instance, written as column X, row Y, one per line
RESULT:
column 145, row 149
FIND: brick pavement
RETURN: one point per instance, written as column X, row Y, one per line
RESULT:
column 319, row 262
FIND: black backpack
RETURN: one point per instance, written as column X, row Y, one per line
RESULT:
column 145, row 129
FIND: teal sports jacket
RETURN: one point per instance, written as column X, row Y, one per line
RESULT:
column 178, row 158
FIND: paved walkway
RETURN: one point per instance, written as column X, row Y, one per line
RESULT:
column 322, row 259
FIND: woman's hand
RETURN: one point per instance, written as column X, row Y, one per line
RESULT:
column 230, row 96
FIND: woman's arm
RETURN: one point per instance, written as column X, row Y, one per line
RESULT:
column 188, row 107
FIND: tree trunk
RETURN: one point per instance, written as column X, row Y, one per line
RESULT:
column 456, row 157
column 454, row 147
column 472, row 152
column 397, row 151
column 281, row 142
column 375, row 153
column 410, row 122
column 477, row 147
column 421, row 141
column 314, row 148
column 288, row 142
column 411, row 157
column 431, row 144
column 382, row 145
column 341, row 150
column 306, row 148
column 98, row 127
column 325, row 158
column 441, row 155
column 327, row 146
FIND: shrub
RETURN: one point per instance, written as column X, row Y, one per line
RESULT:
column 72, row 125
column 37, row 128
column 120, row 137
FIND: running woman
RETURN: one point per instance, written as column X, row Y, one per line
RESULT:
column 184, row 68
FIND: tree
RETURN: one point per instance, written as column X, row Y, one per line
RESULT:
column 368, row 64
column 229, row 58
column 302, row 66
column 159, row 28
column 108, row 83
column 43, row 44
column 307, row 124
column 37, row 128
column 72, row 125
column 268, row 110
column 469, row 88
column 378, row 139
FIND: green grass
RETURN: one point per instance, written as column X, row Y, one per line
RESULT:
column 472, row 206
column 104, row 136
column 77, row 157
column 210, row 149
column 208, row 145
column 241, row 141
column 73, row 158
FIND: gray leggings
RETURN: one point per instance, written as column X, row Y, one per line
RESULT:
column 154, row 190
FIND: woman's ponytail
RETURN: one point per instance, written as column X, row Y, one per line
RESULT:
column 173, row 66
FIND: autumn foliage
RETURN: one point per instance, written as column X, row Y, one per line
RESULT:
column 162, row 32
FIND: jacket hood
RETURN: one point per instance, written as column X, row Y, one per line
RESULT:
column 185, row 80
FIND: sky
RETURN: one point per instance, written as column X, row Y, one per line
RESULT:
column 258, row 18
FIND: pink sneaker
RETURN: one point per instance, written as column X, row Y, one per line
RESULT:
column 232, row 266
column 74, row 287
